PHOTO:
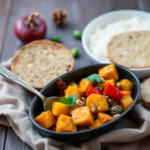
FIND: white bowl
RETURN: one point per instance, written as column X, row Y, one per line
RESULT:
column 105, row 19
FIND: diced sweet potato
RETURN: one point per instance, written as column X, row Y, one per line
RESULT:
column 126, row 101
column 59, row 108
column 85, row 84
column 45, row 119
column 82, row 128
column 104, row 118
column 96, row 124
column 71, row 90
column 65, row 124
column 125, row 85
column 82, row 116
column 111, row 81
column 99, row 102
column 126, row 93
column 109, row 72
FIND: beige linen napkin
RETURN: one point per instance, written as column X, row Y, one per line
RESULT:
column 131, row 134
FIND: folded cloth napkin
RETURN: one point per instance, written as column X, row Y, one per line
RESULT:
column 131, row 134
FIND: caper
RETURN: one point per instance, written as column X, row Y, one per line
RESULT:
column 74, row 51
column 110, row 101
column 77, row 34
column 55, row 39
column 116, row 109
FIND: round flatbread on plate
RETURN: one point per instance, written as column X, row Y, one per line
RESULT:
column 130, row 49
column 41, row 61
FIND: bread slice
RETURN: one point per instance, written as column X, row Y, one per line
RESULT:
column 41, row 61
column 145, row 92
column 130, row 49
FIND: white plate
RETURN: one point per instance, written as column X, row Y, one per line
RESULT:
column 106, row 19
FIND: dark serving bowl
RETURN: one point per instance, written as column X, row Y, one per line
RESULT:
column 81, row 136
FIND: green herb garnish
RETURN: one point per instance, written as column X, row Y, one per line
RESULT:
column 94, row 77
column 70, row 100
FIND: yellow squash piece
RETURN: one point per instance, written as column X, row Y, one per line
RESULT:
column 104, row 118
column 82, row 116
column 126, row 85
column 126, row 101
column 99, row 102
column 45, row 119
column 111, row 81
column 59, row 108
column 109, row 72
column 96, row 124
column 65, row 124
column 85, row 84
column 71, row 90
column 126, row 93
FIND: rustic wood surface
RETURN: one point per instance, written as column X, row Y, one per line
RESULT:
column 80, row 12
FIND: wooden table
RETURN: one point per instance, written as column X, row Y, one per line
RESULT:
column 80, row 12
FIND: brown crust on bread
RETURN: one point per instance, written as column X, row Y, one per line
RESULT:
column 145, row 103
column 130, row 49
column 31, row 60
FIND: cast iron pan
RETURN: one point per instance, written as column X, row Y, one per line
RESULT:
column 36, row 106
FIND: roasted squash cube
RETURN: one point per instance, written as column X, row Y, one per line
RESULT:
column 104, row 118
column 96, row 124
column 126, row 101
column 126, row 85
column 109, row 72
column 111, row 81
column 71, row 90
column 126, row 93
column 85, row 84
column 45, row 119
column 99, row 102
column 65, row 124
column 59, row 108
column 82, row 116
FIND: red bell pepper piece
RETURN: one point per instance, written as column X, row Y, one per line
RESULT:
column 113, row 92
column 93, row 90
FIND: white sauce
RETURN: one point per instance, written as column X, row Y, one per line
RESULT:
column 101, row 36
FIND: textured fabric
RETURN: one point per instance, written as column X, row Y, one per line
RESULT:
column 131, row 134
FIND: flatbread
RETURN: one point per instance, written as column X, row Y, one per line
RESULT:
column 41, row 61
column 130, row 49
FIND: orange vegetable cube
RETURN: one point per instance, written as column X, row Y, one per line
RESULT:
column 126, row 101
column 82, row 116
column 85, row 84
column 104, row 118
column 59, row 108
column 99, row 102
column 126, row 85
column 109, row 72
column 111, row 81
column 96, row 124
column 65, row 124
column 71, row 90
column 45, row 119
column 126, row 93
